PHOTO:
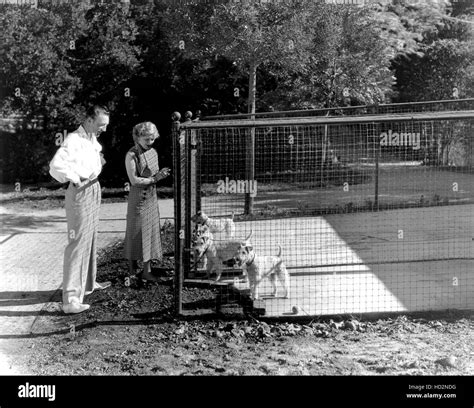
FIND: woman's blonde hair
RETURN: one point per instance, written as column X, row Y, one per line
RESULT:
column 144, row 129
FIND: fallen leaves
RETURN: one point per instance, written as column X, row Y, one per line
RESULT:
column 447, row 362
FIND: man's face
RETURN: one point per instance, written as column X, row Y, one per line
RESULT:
column 99, row 124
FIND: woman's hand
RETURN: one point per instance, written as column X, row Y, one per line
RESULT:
column 163, row 173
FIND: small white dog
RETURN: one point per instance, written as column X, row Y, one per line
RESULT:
column 201, row 233
column 216, row 252
column 215, row 225
column 258, row 268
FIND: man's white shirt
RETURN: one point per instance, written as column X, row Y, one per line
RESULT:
column 78, row 157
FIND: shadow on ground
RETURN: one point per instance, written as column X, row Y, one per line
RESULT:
column 18, row 298
column 16, row 223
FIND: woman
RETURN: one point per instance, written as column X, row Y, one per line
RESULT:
column 142, row 237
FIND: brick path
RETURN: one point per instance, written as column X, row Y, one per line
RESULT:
column 31, row 258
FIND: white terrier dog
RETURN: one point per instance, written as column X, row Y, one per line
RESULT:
column 201, row 234
column 258, row 268
column 215, row 225
column 216, row 252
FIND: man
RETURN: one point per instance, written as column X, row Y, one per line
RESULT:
column 79, row 161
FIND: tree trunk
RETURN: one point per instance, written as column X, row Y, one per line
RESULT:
column 250, row 159
column 326, row 142
column 444, row 140
column 325, row 145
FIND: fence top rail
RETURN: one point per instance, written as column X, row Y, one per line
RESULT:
column 307, row 112
column 331, row 120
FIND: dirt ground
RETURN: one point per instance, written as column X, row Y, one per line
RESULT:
column 132, row 331
column 228, row 347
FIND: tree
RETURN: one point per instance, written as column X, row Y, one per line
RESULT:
column 104, row 55
column 255, row 34
column 36, row 84
column 106, row 59
column 352, row 53
column 443, row 69
column 260, row 33
column 445, row 61
column 249, row 35
column 56, row 62
column 445, row 65
column 35, row 76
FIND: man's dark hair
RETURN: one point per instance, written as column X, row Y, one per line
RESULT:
column 95, row 110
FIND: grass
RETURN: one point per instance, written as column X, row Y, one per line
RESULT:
column 46, row 196
column 399, row 186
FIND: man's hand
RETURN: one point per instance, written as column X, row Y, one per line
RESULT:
column 81, row 182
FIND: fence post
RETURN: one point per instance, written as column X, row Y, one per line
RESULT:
column 188, row 195
column 192, row 170
column 197, row 164
column 178, row 243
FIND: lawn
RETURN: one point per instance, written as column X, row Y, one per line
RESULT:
column 48, row 196
column 399, row 186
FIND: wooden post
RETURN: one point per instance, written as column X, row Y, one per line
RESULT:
column 178, row 243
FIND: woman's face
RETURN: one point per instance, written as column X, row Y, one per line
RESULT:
column 147, row 141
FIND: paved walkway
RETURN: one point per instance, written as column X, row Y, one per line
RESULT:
column 31, row 258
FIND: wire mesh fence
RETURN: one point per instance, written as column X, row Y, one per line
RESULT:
column 346, row 215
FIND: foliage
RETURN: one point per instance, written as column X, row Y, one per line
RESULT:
column 352, row 53
column 446, row 64
column 57, row 62
column 446, row 61
column 443, row 69
column 247, row 34
column 347, row 52
column 35, row 76
column 104, row 56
